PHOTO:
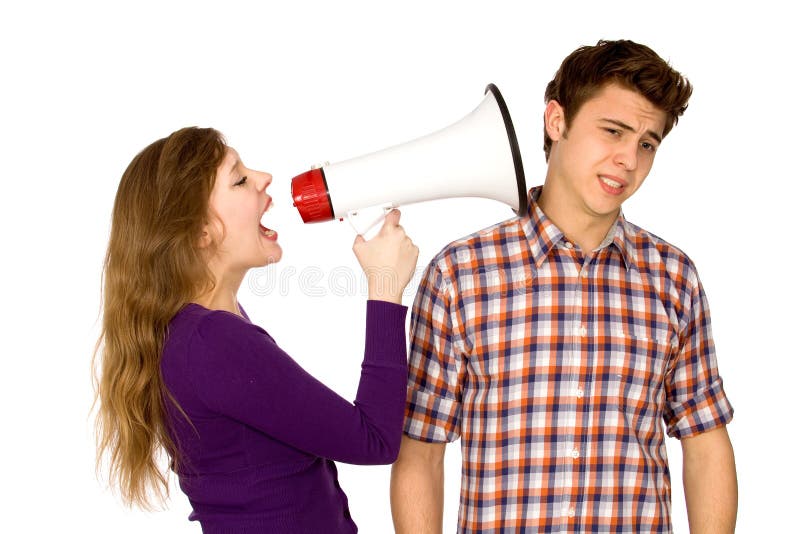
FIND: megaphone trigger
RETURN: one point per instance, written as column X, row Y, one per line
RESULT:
column 366, row 219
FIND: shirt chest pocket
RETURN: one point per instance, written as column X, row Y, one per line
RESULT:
column 630, row 371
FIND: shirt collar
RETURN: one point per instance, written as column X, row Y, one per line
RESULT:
column 540, row 231
column 618, row 236
column 543, row 235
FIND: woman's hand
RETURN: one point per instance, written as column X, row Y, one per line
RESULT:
column 388, row 260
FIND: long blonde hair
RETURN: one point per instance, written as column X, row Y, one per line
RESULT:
column 153, row 267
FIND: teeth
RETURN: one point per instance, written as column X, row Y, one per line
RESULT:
column 263, row 227
column 611, row 183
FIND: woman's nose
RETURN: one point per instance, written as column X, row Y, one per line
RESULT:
column 264, row 179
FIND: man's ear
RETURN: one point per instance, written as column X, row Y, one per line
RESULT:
column 555, row 123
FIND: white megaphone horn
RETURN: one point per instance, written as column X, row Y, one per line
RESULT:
column 477, row 156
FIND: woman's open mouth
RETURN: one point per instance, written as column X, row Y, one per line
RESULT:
column 267, row 232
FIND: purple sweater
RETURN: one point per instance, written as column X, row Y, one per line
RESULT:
column 258, row 455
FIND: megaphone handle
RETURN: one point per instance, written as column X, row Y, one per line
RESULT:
column 366, row 219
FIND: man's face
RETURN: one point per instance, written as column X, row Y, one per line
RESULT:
column 606, row 153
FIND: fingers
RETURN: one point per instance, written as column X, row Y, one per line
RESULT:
column 391, row 224
column 392, row 218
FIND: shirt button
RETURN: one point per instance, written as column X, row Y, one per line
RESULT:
column 582, row 331
column 579, row 393
column 568, row 245
column 571, row 512
column 575, row 454
column 584, row 273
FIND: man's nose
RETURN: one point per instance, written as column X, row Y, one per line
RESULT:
column 627, row 156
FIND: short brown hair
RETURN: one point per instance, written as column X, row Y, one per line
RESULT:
column 632, row 65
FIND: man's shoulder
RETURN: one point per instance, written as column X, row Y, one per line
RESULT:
column 653, row 252
column 482, row 246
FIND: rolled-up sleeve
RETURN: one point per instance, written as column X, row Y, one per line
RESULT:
column 696, row 400
column 433, row 408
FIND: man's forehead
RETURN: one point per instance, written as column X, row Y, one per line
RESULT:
column 631, row 107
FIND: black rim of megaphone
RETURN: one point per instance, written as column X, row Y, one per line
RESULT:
column 515, row 153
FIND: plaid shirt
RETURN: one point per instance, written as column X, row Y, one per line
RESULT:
column 556, row 368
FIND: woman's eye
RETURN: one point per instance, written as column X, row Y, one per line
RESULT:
column 241, row 181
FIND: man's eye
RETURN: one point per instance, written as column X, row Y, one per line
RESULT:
column 241, row 181
column 613, row 131
column 649, row 146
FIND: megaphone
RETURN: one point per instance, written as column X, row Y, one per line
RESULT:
column 477, row 156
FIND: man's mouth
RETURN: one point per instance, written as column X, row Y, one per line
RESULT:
column 611, row 183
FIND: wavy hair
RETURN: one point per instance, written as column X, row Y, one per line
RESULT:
column 632, row 65
column 153, row 267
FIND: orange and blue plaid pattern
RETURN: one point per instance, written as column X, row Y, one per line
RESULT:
column 556, row 370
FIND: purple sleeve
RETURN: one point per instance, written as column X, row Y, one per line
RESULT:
column 240, row 372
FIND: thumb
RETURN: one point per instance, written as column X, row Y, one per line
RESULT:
column 359, row 239
column 392, row 218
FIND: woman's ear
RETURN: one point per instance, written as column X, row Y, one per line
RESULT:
column 212, row 232
column 204, row 241
column 555, row 123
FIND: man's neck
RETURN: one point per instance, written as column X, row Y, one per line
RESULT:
column 583, row 228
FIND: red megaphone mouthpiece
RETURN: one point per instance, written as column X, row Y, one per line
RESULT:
column 311, row 197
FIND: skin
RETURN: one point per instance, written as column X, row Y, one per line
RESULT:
column 417, row 487
column 238, row 201
column 596, row 164
column 709, row 482
column 613, row 137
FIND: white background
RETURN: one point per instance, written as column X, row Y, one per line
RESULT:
column 87, row 85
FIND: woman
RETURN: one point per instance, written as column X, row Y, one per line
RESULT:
column 182, row 370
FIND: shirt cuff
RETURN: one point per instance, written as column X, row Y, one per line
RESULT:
column 432, row 418
column 708, row 410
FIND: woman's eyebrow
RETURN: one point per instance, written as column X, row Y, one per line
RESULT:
column 234, row 167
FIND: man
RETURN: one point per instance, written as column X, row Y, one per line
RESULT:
column 554, row 344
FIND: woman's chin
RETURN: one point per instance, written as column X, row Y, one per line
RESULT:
column 274, row 256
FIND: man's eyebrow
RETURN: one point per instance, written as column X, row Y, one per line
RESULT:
column 629, row 128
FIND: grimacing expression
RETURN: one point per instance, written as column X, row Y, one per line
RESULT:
column 607, row 151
